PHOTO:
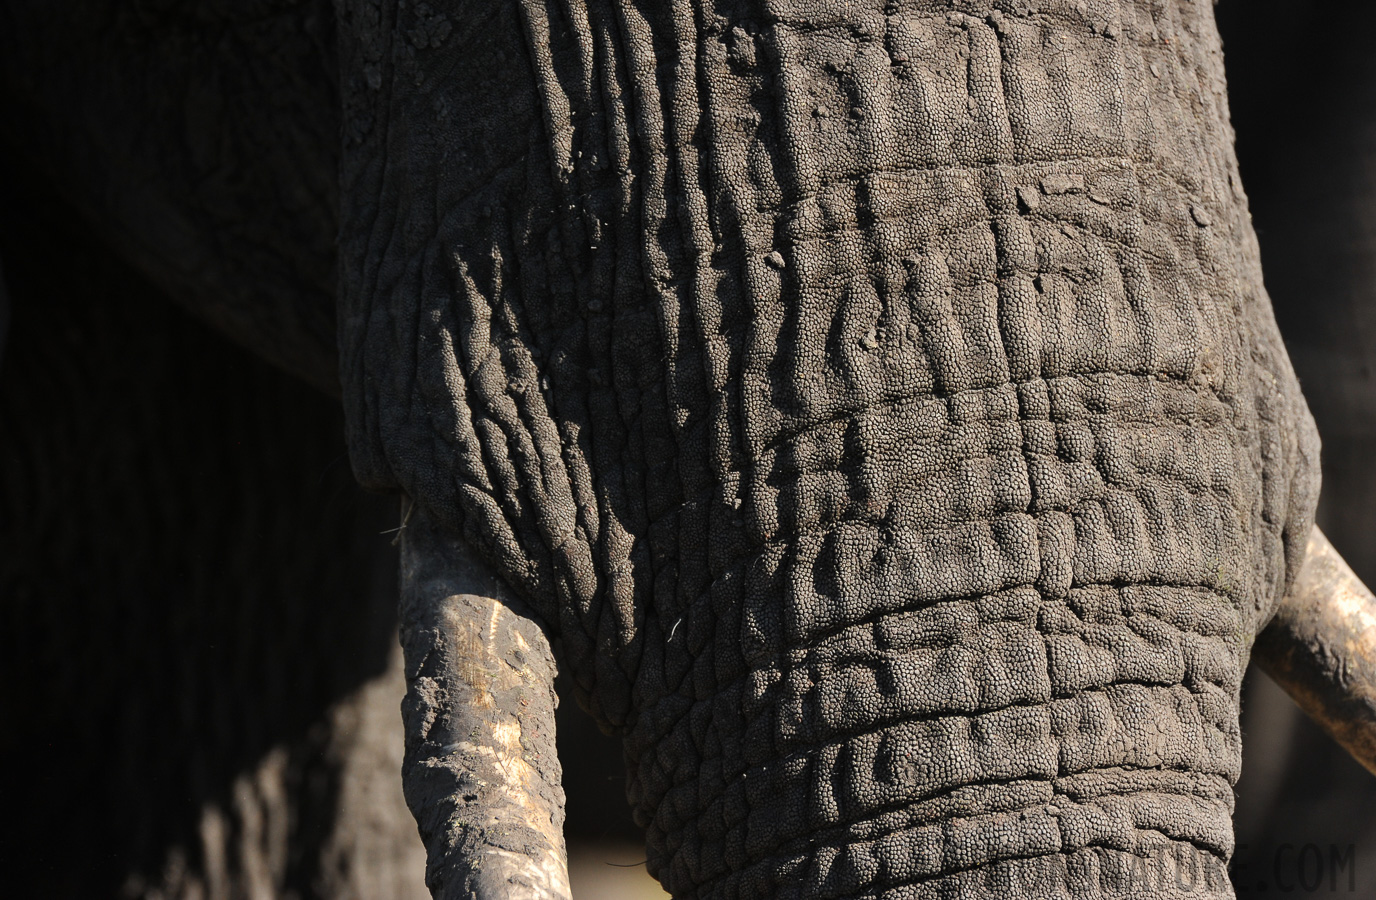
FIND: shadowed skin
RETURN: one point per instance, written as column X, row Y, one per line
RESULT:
column 197, row 610
column 879, row 402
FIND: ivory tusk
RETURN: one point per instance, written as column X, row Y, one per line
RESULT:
column 1321, row 648
column 480, row 773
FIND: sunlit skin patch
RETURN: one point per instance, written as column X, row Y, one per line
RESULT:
column 1321, row 647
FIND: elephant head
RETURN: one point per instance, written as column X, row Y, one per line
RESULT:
column 877, row 404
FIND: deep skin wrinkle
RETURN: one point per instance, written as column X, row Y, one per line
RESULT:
column 879, row 401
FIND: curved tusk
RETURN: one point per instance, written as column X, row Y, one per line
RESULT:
column 1321, row 648
column 480, row 773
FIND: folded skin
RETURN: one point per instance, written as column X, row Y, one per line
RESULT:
column 879, row 402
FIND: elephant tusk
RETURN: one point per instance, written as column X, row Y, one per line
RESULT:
column 1321, row 648
column 480, row 774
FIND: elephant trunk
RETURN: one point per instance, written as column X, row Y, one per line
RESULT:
column 947, row 713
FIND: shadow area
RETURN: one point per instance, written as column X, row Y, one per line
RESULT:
column 196, row 603
column 1302, row 89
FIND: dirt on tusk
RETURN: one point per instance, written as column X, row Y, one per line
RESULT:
column 1321, row 648
column 480, row 774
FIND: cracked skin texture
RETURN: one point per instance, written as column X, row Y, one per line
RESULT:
column 880, row 401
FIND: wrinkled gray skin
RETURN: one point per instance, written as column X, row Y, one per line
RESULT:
column 879, row 402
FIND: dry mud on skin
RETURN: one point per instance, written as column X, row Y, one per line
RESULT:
column 481, row 773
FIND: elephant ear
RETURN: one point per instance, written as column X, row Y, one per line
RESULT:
column 200, row 141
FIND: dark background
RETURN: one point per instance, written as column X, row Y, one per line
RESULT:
column 1302, row 86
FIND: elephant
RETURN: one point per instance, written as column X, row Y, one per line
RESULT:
column 875, row 406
